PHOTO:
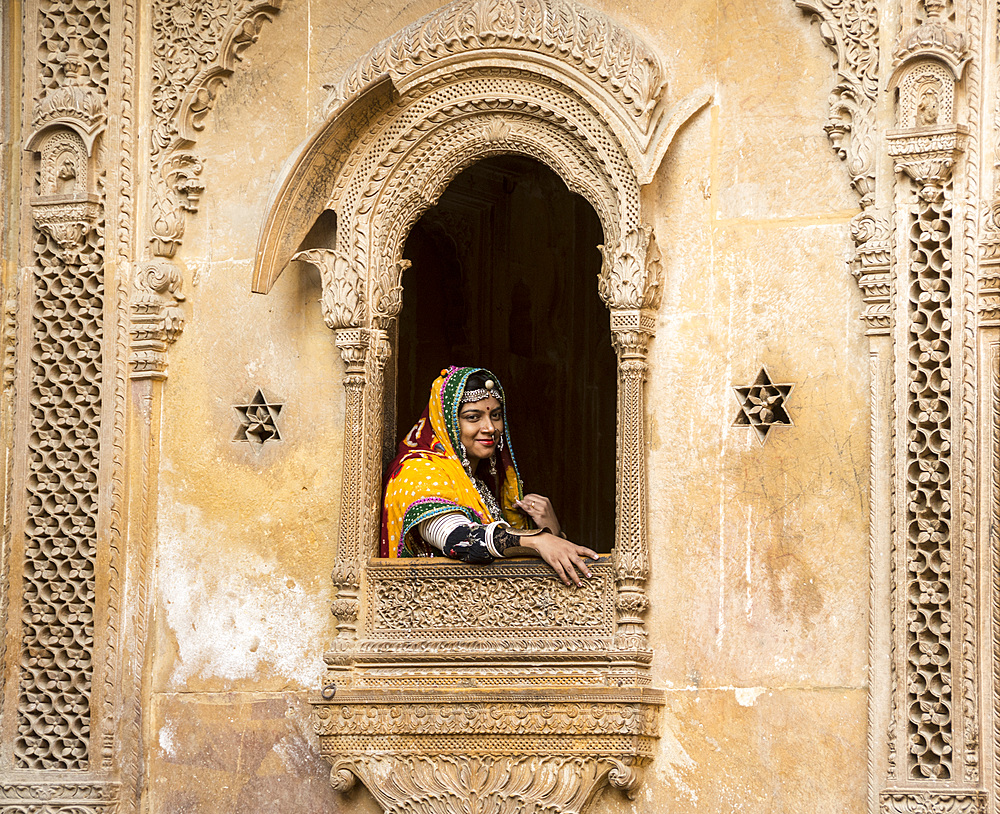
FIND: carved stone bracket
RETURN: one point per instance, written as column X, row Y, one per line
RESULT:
column 481, row 784
column 195, row 50
column 67, row 219
column 851, row 31
column 343, row 299
column 928, row 156
column 871, row 268
column 157, row 317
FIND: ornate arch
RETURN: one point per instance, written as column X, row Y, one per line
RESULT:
column 565, row 85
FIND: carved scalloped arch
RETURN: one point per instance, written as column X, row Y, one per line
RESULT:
column 591, row 44
column 571, row 64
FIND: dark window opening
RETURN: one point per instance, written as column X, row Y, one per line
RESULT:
column 504, row 276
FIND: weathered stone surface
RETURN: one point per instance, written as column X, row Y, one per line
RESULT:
column 818, row 606
column 239, row 753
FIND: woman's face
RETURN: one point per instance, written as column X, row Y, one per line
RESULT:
column 480, row 425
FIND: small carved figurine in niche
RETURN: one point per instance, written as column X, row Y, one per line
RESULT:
column 929, row 103
column 66, row 177
column 63, row 163
column 454, row 486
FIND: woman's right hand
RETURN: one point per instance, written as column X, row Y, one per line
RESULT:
column 566, row 558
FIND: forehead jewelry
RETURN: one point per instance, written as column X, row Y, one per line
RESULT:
column 489, row 388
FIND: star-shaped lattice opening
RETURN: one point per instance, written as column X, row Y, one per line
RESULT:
column 762, row 405
column 258, row 421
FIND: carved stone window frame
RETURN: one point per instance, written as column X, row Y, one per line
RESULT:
column 565, row 85
column 469, row 82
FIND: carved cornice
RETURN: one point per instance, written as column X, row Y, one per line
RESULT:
column 195, row 50
column 926, row 802
column 59, row 798
column 157, row 317
column 512, row 713
column 851, row 30
column 594, row 46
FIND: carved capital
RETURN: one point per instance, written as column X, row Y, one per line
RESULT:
column 343, row 298
column 387, row 294
column 631, row 332
column 928, row 156
column 353, row 346
column 631, row 275
column 67, row 219
column 871, row 267
column 157, row 317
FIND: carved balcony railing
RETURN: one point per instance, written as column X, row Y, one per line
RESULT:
column 474, row 685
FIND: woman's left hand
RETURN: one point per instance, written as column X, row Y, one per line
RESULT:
column 539, row 508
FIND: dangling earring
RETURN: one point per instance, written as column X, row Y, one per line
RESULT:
column 465, row 462
column 493, row 466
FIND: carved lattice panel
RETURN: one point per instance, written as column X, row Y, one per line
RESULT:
column 928, row 486
column 65, row 383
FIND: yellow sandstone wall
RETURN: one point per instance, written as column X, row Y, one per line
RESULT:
column 759, row 567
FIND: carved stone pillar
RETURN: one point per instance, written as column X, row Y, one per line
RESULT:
column 63, row 551
column 353, row 344
column 932, row 740
column 630, row 285
column 631, row 330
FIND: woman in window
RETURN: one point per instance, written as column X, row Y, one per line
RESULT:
column 454, row 486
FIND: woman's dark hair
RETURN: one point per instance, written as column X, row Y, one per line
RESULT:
column 476, row 381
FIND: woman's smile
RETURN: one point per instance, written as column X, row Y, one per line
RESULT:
column 480, row 424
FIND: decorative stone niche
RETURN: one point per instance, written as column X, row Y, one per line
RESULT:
column 452, row 687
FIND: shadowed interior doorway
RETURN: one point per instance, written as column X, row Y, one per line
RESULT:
column 504, row 276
